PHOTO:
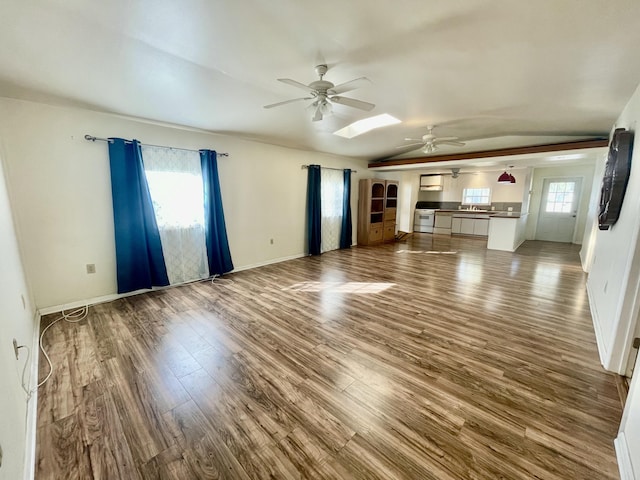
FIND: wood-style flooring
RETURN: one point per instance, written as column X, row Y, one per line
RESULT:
column 432, row 358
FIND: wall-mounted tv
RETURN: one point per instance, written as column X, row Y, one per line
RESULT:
column 615, row 179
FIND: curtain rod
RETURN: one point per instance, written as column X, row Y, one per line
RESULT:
column 329, row 168
column 91, row 138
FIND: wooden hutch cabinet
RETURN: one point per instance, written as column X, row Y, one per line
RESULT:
column 377, row 205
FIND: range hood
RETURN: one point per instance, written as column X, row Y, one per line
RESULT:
column 430, row 183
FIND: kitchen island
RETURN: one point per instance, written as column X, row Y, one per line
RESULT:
column 504, row 230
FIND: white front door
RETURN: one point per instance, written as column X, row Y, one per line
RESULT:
column 558, row 209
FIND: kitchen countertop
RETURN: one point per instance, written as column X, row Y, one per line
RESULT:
column 482, row 213
column 509, row 215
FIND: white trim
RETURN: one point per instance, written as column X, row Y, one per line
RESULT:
column 89, row 301
column 32, row 405
column 270, row 262
column 116, row 296
column 603, row 352
column 583, row 262
column 624, row 458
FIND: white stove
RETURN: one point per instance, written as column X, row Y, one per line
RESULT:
column 423, row 220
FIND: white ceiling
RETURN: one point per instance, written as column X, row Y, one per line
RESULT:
column 495, row 73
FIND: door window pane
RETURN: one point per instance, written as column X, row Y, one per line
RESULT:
column 560, row 197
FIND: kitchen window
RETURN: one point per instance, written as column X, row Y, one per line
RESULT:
column 476, row 196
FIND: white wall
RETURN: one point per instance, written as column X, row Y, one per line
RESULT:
column 540, row 174
column 614, row 278
column 452, row 187
column 591, row 222
column 16, row 321
column 61, row 194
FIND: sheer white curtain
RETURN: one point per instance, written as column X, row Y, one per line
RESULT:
column 331, row 192
column 175, row 184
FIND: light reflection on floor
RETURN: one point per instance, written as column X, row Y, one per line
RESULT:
column 427, row 251
column 469, row 272
column 546, row 275
column 339, row 287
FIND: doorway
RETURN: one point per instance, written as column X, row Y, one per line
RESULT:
column 634, row 353
column 558, row 209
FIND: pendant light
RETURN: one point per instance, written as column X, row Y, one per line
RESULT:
column 506, row 177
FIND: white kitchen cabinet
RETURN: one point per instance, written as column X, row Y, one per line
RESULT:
column 466, row 227
column 481, row 227
column 477, row 225
column 455, row 225
column 443, row 220
column 442, row 223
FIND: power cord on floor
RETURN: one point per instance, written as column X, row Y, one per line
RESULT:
column 71, row 317
column 222, row 281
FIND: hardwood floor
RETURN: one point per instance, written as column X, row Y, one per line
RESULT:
column 428, row 359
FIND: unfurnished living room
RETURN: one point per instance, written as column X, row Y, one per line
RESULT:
column 306, row 240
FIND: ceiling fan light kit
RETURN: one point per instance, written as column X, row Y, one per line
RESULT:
column 325, row 93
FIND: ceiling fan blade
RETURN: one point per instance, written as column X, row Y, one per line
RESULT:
column 352, row 102
column 446, row 139
column 287, row 101
column 413, row 139
column 450, row 142
column 318, row 115
column 294, row 83
column 350, row 85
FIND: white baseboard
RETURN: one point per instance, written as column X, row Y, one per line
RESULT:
column 90, row 301
column 270, row 262
column 116, row 296
column 32, row 405
column 603, row 351
column 624, row 458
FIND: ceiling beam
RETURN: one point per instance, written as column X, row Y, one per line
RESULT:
column 502, row 152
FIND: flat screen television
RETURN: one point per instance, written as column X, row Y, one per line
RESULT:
column 615, row 178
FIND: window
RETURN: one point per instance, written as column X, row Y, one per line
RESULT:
column 177, row 198
column 560, row 197
column 175, row 184
column 332, row 193
column 476, row 196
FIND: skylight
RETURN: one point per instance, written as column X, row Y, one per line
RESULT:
column 366, row 124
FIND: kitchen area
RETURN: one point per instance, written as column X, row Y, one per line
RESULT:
column 476, row 206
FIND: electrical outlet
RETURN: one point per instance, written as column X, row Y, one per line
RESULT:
column 15, row 348
column 509, row 209
column 91, row 268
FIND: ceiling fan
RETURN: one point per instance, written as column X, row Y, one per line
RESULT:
column 324, row 93
column 429, row 142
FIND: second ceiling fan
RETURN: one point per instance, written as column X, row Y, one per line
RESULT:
column 324, row 93
column 429, row 142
